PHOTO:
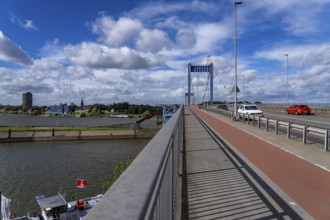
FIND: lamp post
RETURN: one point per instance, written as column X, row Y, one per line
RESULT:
column 235, row 57
column 287, row 79
column 207, row 59
column 208, row 77
column 243, row 92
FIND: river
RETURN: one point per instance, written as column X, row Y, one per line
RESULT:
column 46, row 168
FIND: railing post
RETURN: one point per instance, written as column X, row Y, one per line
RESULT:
column 326, row 140
column 289, row 130
column 259, row 122
column 304, row 134
column 276, row 126
column 267, row 121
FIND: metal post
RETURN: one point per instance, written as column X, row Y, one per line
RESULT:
column 211, row 83
column 235, row 56
column 243, row 92
column 287, row 79
column 326, row 140
column 289, row 130
column 208, row 72
column 304, row 134
column 189, row 83
column 276, row 127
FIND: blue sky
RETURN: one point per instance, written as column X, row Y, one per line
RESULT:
column 138, row 51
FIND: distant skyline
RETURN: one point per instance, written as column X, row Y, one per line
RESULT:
column 138, row 51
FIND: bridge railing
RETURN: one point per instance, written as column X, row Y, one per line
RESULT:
column 317, row 109
column 147, row 188
column 289, row 126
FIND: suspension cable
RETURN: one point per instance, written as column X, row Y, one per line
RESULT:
column 207, row 85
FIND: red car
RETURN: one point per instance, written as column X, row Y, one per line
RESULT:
column 299, row 109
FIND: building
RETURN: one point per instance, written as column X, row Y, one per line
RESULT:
column 59, row 109
column 27, row 100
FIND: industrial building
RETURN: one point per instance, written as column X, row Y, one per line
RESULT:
column 59, row 109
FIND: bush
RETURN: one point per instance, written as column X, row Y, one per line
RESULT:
column 116, row 170
column 145, row 114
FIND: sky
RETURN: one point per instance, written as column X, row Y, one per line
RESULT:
column 114, row 51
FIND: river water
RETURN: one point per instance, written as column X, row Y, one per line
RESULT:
column 46, row 168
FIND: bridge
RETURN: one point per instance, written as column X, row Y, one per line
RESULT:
column 203, row 165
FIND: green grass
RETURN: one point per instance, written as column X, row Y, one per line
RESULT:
column 36, row 129
column 6, row 128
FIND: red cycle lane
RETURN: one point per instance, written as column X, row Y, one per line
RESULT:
column 307, row 184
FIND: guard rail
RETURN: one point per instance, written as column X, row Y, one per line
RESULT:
column 250, row 119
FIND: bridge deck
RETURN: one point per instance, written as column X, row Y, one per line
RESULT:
column 220, row 183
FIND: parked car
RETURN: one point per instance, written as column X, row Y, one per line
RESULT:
column 222, row 107
column 299, row 109
column 250, row 109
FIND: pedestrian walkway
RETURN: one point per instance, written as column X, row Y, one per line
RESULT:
column 264, row 182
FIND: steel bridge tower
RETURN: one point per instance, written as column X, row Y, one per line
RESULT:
column 200, row 68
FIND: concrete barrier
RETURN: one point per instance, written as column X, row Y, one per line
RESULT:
column 53, row 135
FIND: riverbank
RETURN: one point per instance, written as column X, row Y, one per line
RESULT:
column 74, row 135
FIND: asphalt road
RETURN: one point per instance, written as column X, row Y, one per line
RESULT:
column 317, row 121
column 320, row 121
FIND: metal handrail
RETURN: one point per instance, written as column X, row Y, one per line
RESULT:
column 147, row 188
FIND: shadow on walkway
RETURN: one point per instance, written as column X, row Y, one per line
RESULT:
column 217, row 184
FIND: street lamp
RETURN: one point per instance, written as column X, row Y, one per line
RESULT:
column 243, row 92
column 287, row 79
column 208, row 79
column 207, row 59
column 235, row 57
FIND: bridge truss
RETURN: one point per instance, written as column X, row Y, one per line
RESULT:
column 200, row 68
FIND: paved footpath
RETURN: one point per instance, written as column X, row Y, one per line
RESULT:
column 302, row 182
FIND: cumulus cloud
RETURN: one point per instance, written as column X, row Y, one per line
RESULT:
column 11, row 52
column 210, row 35
column 300, row 56
column 185, row 38
column 128, row 32
column 116, row 33
column 249, row 75
column 100, row 56
column 153, row 41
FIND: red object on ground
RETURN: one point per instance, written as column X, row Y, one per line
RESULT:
column 81, row 183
